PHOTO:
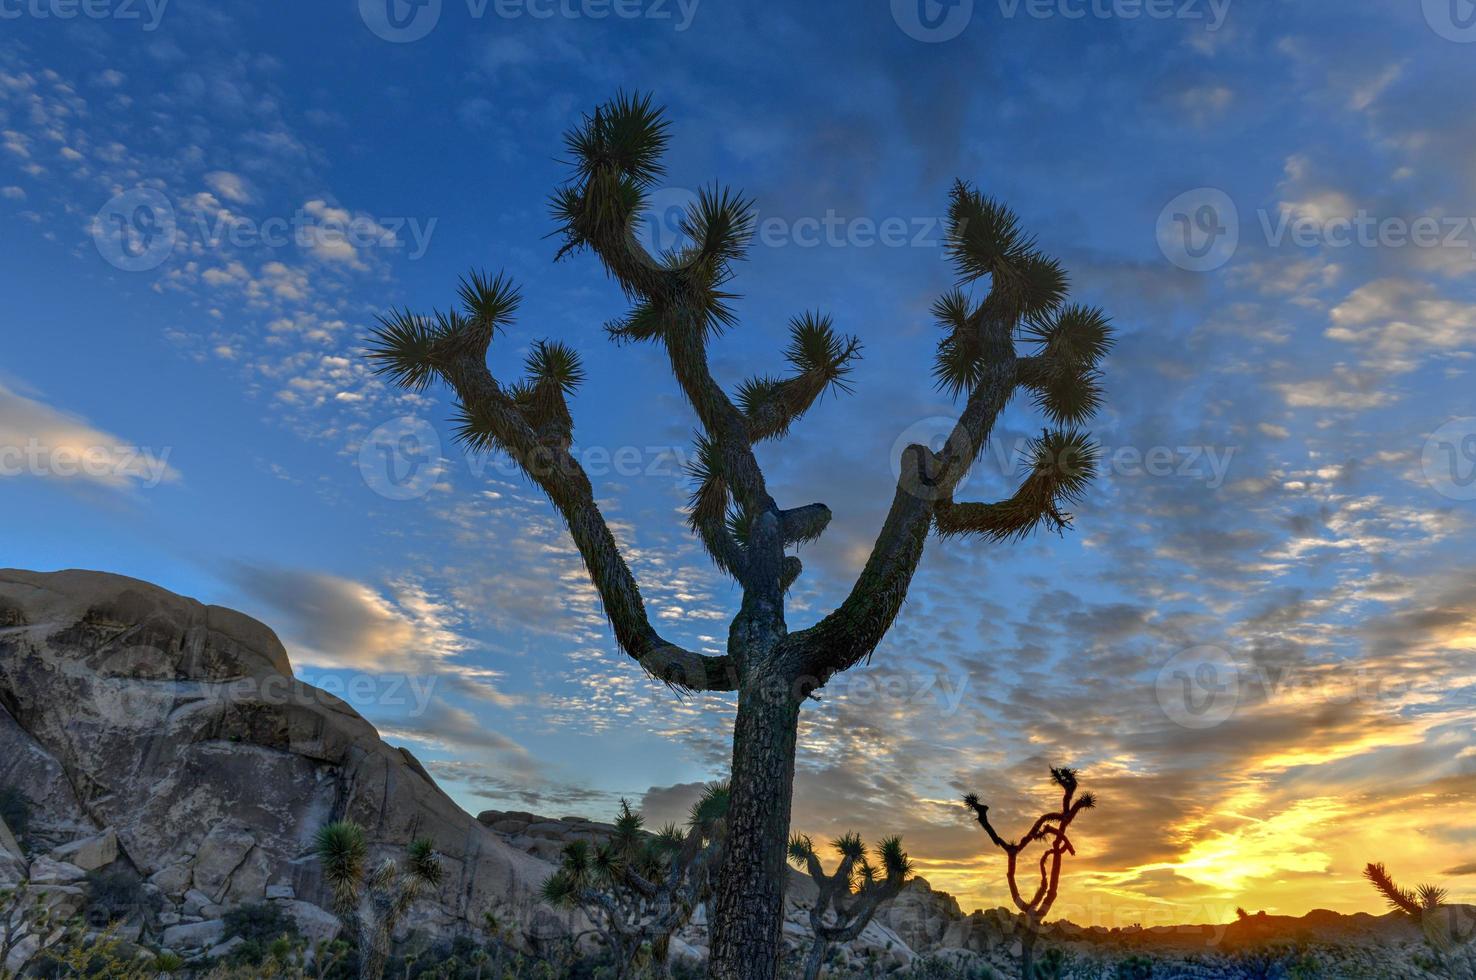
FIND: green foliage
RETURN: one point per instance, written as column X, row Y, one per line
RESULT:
column 402, row 349
column 168, row 962
column 489, row 302
column 373, row 901
column 261, row 924
column 638, row 888
column 343, row 850
column 1053, row 964
column 985, row 239
column 1134, row 968
column 80, row 956
column 422, row 863
column 895, row 861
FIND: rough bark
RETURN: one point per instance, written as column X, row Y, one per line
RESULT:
column 748, row 908
column 815, row 962
column 1027, row 948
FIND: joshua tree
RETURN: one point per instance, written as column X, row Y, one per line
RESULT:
column 1423, row 905
column 639, row 888
column 852, row 894
column 372, row 902
column 25, row 916
column 1050, row 829
column 679, row 300
column 1412, row 903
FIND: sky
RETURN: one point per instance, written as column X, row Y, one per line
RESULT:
column 1258, row 643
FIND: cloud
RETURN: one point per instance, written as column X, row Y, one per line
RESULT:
column 232, row 187
column 40, row 441
column 329, row 621
column 1398, row 321
column 452, row 729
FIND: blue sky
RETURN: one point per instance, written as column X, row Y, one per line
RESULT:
column 208, row 204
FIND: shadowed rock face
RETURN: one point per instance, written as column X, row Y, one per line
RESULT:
column 180, row 727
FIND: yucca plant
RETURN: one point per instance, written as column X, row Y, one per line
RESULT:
column 849, row 897
column 1014, row 335
column 25, row 916
column 640, row 888
column 1050, row 829
column 371, row 902
column 1425, row 905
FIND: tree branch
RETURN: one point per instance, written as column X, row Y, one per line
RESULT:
column 492, row 421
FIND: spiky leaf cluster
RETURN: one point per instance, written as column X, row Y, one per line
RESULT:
column 616, row 155
column 344, row 853
column 1061, row 465
column 1412, row 903
column 411, row 350
column 985, row 238
column 1070, row 344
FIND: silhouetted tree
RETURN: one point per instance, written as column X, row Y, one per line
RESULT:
column 371, row 902
column 637, row 888
column 1424, row 906
column 680, row 300
column 1051, row 830
column 849, row 898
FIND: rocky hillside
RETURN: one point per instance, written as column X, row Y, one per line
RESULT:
column 169, row 740
column 148, row 729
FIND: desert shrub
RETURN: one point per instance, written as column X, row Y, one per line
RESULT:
column 79, row 956
column 15, row 810
column 114, row 894
column 260, row 922
column 168, row 963
column 936, row 968
column 1134, row 968
column 1053, row 964
column 265, row 929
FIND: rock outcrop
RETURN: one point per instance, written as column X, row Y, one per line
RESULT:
column 152, row 730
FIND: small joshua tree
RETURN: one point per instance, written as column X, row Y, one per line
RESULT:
column 1051, row 830
column 1016, row 336
column 1423, row 906
column 372, row 902
column 849, row 897
column 640, row 888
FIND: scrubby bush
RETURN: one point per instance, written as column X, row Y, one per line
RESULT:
column 1134, row 968
column 263, row 927
column 80, row 955
column 114, row 894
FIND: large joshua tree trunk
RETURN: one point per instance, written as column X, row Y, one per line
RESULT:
column 1027, row 947
column 815, row 962
column 680, row 300
column 748, row 909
